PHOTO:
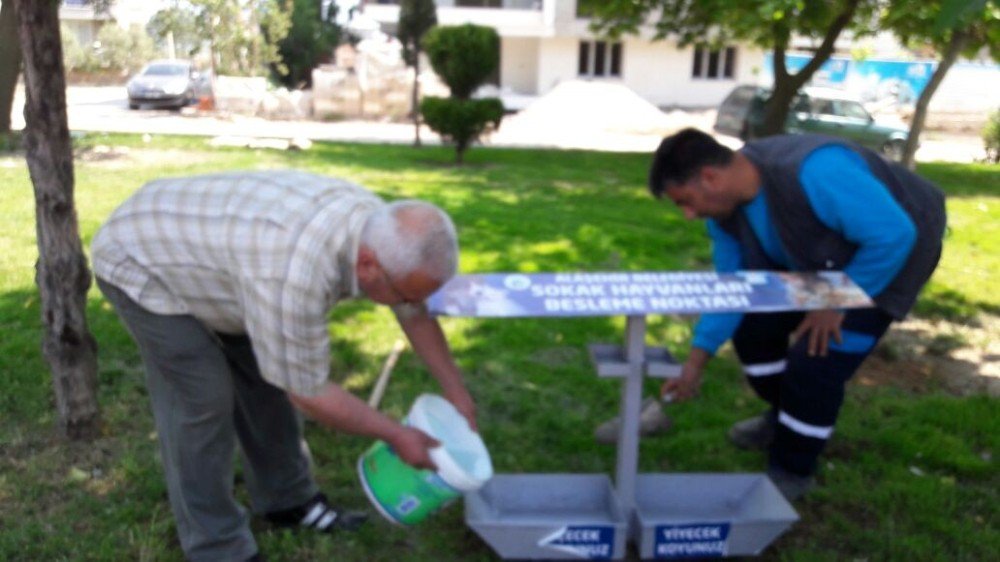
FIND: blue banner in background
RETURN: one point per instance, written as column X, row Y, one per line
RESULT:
column 872, row 81
column 900, row 81
column 638, row 293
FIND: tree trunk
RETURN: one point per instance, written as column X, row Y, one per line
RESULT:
column 778, row 106
column 61, row 272
column 10, row 63
column 416, row 97
column 959, row 38
column 787, row 85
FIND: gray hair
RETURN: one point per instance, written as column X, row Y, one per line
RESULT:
column 409, row 236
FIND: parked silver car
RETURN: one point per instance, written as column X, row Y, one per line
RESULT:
column 166, row 83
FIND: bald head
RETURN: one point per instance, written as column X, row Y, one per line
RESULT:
column 409, row 236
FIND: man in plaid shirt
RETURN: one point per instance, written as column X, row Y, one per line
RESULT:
column 225, row 282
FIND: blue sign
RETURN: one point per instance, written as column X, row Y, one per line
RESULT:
column 870, row 80
column 704, row 540
column 638, row 293
column 593, row 542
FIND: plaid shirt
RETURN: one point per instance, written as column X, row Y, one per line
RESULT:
column 265, row 254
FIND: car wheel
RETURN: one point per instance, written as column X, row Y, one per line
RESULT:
column 133, row 105
column 893, row 150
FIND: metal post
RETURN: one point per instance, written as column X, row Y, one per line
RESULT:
column 631, row 403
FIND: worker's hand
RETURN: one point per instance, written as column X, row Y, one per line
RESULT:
column 412, row 445
column 820, row 325
column 460, row 398
column 689, row 383
column 685, row 386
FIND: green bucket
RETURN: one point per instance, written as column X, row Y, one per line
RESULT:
column 407, row 495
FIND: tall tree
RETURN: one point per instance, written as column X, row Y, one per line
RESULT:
column 768, row 24
column 10, row 57
column 62, row 274
column 416, row 18
column 313, row 35
column 965, row 32
column 175, row 26
column 242, row 34
column 10, row 65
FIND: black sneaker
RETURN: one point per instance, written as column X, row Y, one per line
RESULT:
column 792, row 486
column 317, row 514
column 755, row 434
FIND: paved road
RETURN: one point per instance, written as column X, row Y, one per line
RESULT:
column 105, row 109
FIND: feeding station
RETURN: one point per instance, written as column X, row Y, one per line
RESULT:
column 665, row 515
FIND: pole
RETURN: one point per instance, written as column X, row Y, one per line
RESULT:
column 383, row 378
column 631, row 403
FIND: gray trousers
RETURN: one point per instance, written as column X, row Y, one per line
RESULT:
column 207, row 393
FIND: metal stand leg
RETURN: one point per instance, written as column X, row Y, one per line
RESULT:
column 631, row 402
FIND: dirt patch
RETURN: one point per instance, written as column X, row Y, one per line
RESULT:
column 920, row 355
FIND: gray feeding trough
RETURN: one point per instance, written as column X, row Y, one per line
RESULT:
column 708, row 515
column 549, row 517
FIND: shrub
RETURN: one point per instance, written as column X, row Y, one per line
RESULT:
column 991, row 138
column 115, row 50
column 461, row 122
column 464, row 57
column 123, row 50
column 75, row 56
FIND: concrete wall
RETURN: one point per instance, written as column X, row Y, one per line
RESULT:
column 519, row 64
column 657, row 71
column 556, row 62
column 661, row 72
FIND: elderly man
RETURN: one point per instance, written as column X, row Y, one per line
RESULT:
column 225, row 282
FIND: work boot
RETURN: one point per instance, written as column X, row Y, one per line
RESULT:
column 652, row 420
column 792, row 486
column 755, row 434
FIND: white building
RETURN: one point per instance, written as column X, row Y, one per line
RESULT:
column 544, row 42
column 84, row 22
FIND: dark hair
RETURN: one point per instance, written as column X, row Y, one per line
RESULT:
column 681, row 155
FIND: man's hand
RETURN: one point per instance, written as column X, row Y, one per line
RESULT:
column 689, row 383
column 462, row 400
column 820, row 325
column 683, row 387
column 413, row 445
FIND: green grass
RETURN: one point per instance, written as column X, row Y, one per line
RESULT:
column 907, row 476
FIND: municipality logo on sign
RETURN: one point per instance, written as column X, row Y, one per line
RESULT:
column 590, row 542
column 517, row 282
column 705, row 540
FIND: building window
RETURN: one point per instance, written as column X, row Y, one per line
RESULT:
column 717, row 64
column 599, row 58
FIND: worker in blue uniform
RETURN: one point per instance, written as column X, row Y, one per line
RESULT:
column 800, row 203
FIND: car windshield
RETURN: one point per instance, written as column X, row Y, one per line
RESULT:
column 165, row 70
